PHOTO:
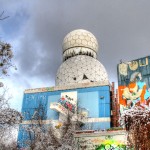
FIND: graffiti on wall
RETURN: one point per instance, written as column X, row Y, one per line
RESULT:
column 111, row 147
column 110, row 143
column 134, row 83
column 102, row 142
column 67, row 102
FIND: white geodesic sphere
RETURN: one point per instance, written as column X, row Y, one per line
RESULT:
column 81, row 69
column 80, row 38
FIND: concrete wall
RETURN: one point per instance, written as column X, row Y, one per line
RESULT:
column 101, row 140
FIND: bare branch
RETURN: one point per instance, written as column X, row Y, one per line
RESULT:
column 1, row 16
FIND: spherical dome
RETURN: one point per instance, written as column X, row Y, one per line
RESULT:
column 81, row 69
column 80, row 38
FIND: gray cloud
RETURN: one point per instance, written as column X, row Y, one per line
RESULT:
column 121, row 27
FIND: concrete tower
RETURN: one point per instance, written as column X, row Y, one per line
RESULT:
column 80, row 64
column 81, row 82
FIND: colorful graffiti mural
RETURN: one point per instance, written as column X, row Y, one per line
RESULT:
column 66, row 104
column 67, row 101
column 109, row 144
column 134, row 83
column 112, row 140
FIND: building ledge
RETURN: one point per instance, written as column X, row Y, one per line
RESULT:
column 68, row 87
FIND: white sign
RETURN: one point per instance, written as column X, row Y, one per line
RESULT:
column 70, row 97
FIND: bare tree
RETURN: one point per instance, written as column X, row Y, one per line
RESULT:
column 38, row 136
column 50, row 137
column 137, row 124
column 6, row 55
column 9, row 118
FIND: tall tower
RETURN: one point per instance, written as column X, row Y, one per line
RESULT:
column 80, row 64
column 81, row 81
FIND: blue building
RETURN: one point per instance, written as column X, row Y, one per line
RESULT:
column 81, row 82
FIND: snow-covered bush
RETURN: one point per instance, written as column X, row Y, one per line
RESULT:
column 136, row 122
column 9, row 121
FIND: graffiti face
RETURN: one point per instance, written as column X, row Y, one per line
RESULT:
column 133, row 65
column 123, row 69
column 132, row 87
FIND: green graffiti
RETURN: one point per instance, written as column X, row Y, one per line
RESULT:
column 111, row 147
column 111, row 144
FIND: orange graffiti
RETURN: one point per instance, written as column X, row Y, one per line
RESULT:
column 142, row 95
column 131, row 86
column 122, row 101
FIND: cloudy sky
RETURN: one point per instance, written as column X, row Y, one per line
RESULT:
column 36, row 29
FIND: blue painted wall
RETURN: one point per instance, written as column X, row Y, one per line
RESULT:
column 52, row 114
column 95, row 99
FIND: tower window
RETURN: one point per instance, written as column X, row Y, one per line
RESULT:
column 85, row 77
column 74, row 78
